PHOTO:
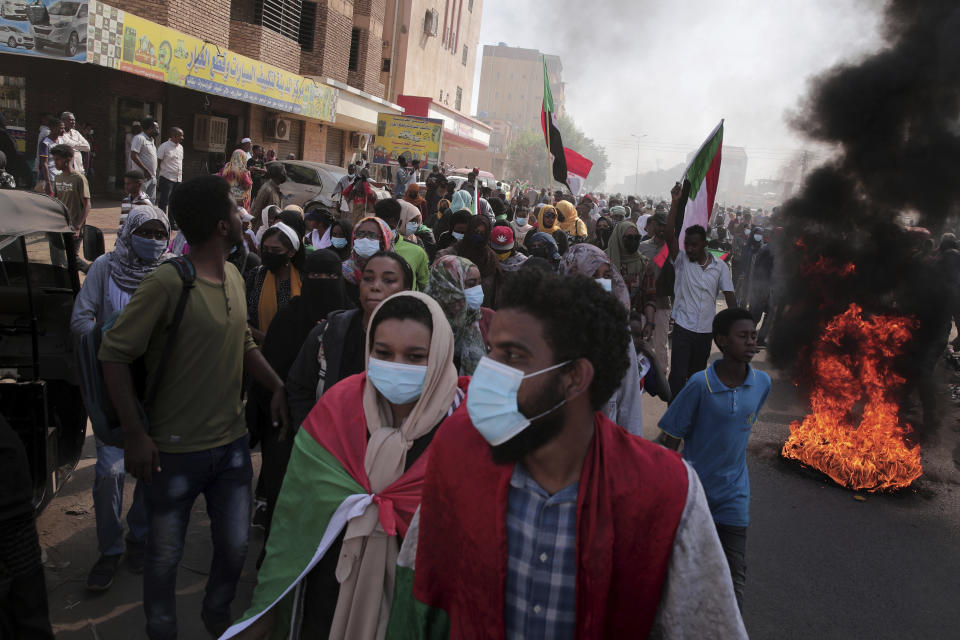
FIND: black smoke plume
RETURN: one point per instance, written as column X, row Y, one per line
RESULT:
column 894, row 119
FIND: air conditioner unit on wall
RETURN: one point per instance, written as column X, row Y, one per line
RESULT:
column 431, row 22
column 359, row 140
column 209, row 133
column 277, row 129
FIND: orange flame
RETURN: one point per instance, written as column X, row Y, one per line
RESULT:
column 853, row 361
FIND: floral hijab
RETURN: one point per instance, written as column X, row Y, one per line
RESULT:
column 353, row 267
column 238, row 177
column 446, row 286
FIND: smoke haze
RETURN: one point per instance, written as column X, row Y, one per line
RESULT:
column 670, row 70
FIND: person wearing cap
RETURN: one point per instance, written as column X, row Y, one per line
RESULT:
column 503, row 243
column 246, row 145
column 277, row 281
column 655, row 248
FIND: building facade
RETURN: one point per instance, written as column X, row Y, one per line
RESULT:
column 511, row 85
column 297, row 76
column 430, row 50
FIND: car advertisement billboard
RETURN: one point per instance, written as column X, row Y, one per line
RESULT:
column 412, row 137
column 46, row 28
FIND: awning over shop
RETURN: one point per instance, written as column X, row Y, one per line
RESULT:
column 121, row 40
column 458, row 130
column 358, row 110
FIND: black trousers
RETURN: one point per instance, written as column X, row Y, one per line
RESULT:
column 689, row 353
column 734, row 543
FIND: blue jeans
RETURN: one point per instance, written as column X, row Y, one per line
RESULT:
column 223, row 475
column 108, row 477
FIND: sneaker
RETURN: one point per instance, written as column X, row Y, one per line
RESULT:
column 134, row 555
column 101, row 575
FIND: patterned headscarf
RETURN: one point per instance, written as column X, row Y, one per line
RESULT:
column 446, row 286
column 127, row 268
column 584, row 259
column 238, row 177
column 353, row 267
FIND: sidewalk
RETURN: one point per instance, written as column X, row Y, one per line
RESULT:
column 68, row 537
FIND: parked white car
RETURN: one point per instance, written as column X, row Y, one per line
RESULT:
column 311, row 185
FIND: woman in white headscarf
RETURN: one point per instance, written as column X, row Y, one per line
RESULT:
column 353, row 482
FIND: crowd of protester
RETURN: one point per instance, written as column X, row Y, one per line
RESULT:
column 432, row 378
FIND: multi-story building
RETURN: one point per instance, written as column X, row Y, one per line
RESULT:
column 299, row 76
column 511, row 85
column 429, row 58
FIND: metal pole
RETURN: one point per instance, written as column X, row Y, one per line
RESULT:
column 636, row 172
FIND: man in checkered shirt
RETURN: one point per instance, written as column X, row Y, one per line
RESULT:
column 559, row 524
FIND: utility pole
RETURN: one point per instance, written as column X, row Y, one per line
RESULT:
column 803, row 166
column 636, row 173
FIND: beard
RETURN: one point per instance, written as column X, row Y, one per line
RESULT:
column 540, row 432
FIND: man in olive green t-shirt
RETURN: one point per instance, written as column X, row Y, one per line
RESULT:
column 195, row 440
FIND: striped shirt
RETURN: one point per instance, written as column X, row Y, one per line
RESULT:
column 541, row 560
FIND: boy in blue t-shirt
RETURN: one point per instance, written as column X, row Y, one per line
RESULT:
column 713, row 415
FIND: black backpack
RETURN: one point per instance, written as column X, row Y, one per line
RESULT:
column 103, row 415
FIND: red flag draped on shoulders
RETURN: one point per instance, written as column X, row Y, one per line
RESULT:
column 631, row 497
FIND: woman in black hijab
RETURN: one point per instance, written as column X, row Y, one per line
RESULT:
column 321, row 293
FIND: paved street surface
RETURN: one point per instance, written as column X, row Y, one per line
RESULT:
column 820, row 563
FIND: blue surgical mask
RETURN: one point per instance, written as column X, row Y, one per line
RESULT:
column 411, row 228
column 366, row 247
column 399, row 383
column 338, row 243
column 148, row 249
column 474, row 296
column 457, row 236
column 606, row 283
column 492, row 400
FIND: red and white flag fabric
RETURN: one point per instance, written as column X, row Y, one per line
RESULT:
column 578, row 168
column 703, row 172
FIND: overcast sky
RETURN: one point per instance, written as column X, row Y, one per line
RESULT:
column 668, row 70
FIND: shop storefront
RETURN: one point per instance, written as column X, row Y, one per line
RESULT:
column 128, row 68
column 460, row 132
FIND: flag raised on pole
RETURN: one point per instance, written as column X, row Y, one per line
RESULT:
column 703, row 173
column 551, row 132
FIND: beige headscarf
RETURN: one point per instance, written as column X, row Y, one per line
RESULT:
column 368, row 558
column 408, row 212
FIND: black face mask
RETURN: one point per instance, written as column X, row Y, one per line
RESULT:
column 274, row 261
column 475, row 238
column 631, row 244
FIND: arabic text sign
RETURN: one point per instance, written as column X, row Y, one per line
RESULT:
column 410, row 136
column 121, row 40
